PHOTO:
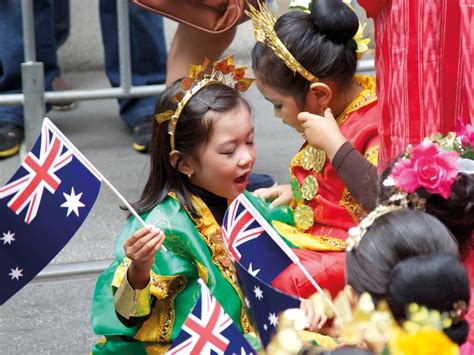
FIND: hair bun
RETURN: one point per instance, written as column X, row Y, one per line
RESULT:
column 335, row 20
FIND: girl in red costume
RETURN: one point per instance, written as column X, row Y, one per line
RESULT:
column 306, row 63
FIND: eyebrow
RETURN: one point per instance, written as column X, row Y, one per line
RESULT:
column 233, row 141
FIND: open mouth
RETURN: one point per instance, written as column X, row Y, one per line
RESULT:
column 242, row 178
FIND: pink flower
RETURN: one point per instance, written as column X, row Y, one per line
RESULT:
column 428, row 168
column 467, row 134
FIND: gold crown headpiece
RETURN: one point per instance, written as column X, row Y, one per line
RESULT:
column 263, row 22
column 223, row 71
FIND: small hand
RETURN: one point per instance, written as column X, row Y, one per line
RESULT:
column 316, row 319
column 141, row 248
column 280, row 194
column 322, row 132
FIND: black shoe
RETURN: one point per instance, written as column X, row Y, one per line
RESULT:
column 141, row 134
column 258, row 181
column 10, row 139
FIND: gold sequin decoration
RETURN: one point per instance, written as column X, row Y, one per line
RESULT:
column 313, row 159
column 372, row 154
column 304, row 217
column 310, row 187
column 352, row 206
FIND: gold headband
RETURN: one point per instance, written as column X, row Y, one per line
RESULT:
column 263, row 22
column 201, row 76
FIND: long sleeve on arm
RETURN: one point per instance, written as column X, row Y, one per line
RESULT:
column 358, row 174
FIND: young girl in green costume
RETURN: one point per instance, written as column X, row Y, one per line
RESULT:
column 202, row 152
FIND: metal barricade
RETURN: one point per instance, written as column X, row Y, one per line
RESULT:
column 34, row 96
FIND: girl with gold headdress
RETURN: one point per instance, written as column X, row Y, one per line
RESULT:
column 306, row 62
column 202, row 152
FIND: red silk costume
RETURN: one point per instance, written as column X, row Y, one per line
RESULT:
column 324, row 208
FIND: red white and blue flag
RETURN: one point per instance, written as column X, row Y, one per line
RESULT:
column 263, row 303
column 209, row 330
column 253, row 242
column 42, row 206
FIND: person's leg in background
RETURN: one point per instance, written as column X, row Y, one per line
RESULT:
column 11, row 57
column 62, row 24
column 148, row 60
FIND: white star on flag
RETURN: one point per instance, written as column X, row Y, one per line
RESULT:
column 72, row 203
column 8, row 238
column 252, row 271
column 258, row 292
column 273, row 319
column 16, row 273
column 247, row 303
column 265, row 327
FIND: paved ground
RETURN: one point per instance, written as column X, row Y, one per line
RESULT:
column 52, row 317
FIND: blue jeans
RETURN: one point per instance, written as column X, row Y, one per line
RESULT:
column 148, row 52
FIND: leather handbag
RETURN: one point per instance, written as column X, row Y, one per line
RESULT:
column 212, row 16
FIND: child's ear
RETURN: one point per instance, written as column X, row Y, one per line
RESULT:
column 318, row 97
column 184, row 164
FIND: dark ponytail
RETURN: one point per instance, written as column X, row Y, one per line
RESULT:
column 322, row 42
column 392, row 238
column 436, row 281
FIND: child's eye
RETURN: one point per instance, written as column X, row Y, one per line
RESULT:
column 277, row 107
column 228, row 152
column 250, row 142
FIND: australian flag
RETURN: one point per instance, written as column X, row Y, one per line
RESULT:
column 42, row 206
column 253, row 242
column 263, row 303
column 209, row 330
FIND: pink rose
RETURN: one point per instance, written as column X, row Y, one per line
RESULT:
column 428, row 168
column 467, row 134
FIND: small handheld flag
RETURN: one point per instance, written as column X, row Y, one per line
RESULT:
column 209, row 330
column 263, row 303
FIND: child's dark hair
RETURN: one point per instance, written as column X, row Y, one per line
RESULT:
column 192, row 133
column 436, row 281
column 456, row 212
column 394, row 237
column 322, row 42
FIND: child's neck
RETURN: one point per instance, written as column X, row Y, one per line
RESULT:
column 344, row 98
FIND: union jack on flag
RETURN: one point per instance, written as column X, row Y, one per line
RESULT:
column 209, row 330
column 253, row 242
column 44, row 203
column 41, row 174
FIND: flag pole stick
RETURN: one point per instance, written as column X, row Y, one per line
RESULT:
column 95, row 171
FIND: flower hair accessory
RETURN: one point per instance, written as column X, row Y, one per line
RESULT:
column 428, row 167
column 263, row 22
column 200, row 76
column 360, row 40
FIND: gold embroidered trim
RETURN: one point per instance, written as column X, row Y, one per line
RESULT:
column 160, row 324
column 308, row 241
column 310, row 187
column 210, row 232
column 352, row 206
column 365, row 97
column 202, row 271
column 372, row 154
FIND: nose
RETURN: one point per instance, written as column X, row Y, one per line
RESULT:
column 247, row 158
